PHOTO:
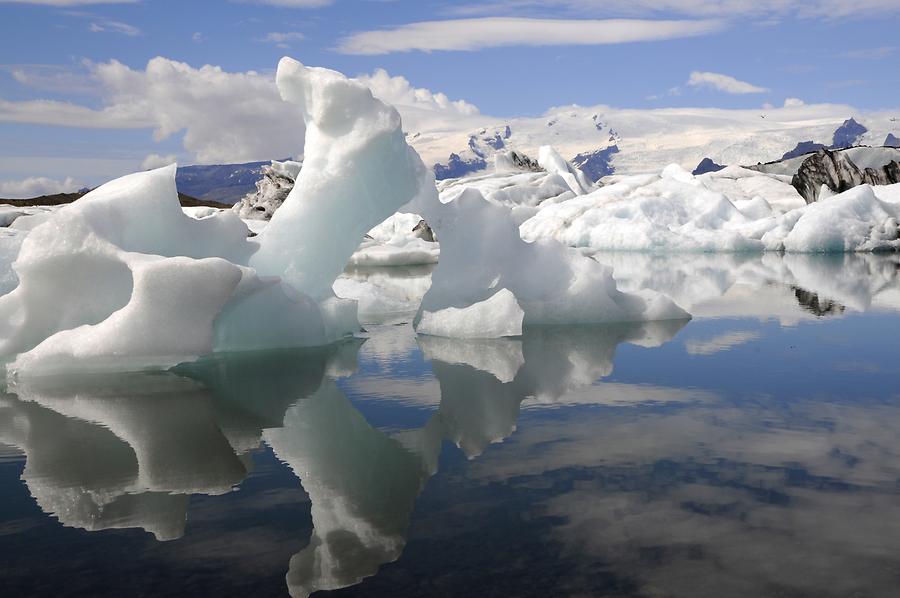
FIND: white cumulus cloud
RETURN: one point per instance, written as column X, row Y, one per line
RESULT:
column 771, row 10
column 492, row 32
column 36, row 186
column 223, row 116
column 157, row 161
column 724, row 83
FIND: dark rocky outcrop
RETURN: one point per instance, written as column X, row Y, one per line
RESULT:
column 836, row 170
column 597, row 164
column 523, row 161
column 272, row 189
column 847, row 135
column 891, row 140
column 706, row 165
column 424, row 232
column 63, row 198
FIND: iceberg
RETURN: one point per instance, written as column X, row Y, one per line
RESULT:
column 358, row 170
column 489, row 274
column 734, row 209
column 121, row 273
column 124, row 279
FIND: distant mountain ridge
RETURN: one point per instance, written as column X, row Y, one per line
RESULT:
column 59, row 199
column 221, row 183
column 847, row 135
column 602, row 140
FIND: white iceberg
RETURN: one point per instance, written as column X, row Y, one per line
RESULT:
column 482, row 254
column 734, row 209
column 124, row 279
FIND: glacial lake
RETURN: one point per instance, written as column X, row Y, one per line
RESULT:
column 751, row 451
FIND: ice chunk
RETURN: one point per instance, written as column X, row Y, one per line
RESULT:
column 734, row 209
column 414, row 252
column 495, row 317
column 401, row 240
column 552, row 162
column 125, row 253
column 156, row 328
column 483, row 253
column 385, row 294
column 357, row 171
column 855, row 220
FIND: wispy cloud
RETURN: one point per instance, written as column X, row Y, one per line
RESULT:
column 869, row 53
column 492, row 32
column 35, row 186
column 291, row 3
column 283, row 39
column 845, row 83
column 767, row 10
column 723, row 342
column 157, row 161
column 68, row 2
column 723, row 83
column 106, row 26
column 73, row 79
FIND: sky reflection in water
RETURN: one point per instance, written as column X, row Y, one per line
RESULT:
column 752, row 451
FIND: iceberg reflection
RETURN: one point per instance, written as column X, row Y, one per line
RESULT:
column 128, row 450
column 790, row 287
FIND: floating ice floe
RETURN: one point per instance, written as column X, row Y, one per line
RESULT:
column 734, row 209
column 491, row 283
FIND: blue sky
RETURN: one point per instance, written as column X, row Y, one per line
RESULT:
column 509, row 57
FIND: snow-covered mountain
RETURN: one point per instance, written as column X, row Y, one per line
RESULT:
column 601, row 140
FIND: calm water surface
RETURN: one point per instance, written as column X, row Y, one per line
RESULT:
column 753, row 451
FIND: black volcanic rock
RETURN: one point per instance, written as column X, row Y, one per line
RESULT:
column 707, row 165
column 836, row 170
column 848, row 134
column 891, row 140
column 596, row 165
